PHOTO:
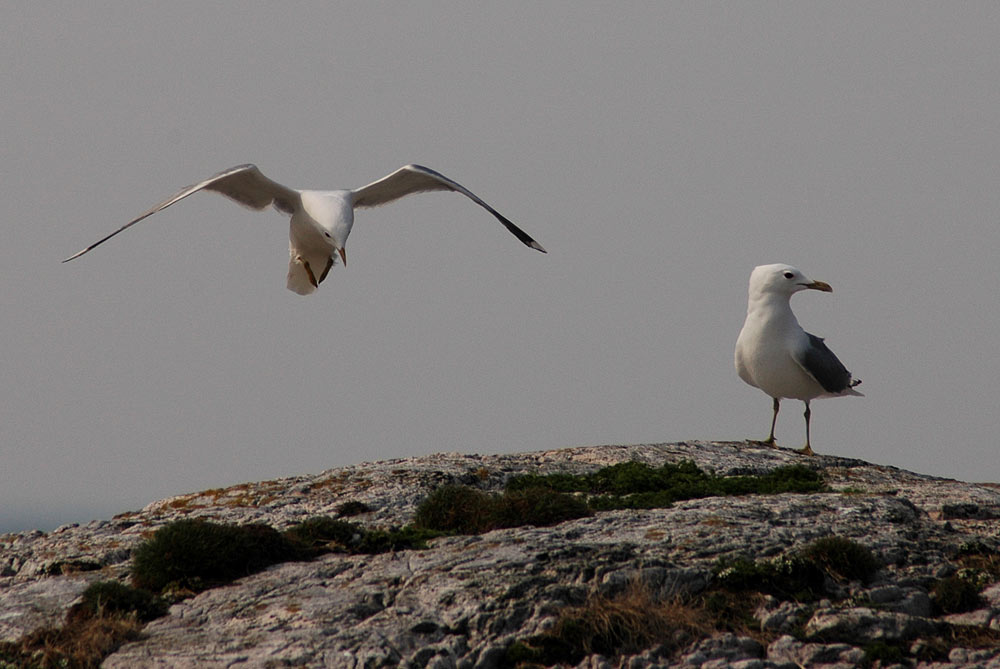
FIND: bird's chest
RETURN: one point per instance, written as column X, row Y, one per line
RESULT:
column 768, row 357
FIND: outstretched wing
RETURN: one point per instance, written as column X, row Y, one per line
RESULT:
column 419, row 179
column 820, row 362
column 244, row 184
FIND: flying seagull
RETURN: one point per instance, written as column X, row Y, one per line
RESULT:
column 321, row 220
column 775, row 354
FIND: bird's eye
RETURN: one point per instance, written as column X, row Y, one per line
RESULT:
column 789, row 275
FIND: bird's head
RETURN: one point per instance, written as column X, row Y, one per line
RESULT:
column 779, row 279
column 337, row 238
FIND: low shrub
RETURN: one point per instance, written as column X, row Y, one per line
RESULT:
column 193, row 555
column 198, row 554
column 465, row 510
column 71, row 567
column 113, row 597
column 540, row 507
column 731, row 610
column 455, row 508
column 395, row 539
column 800, row 575
column 885, row 654
column 955, row 594
column 352, row 508
column 319, row 534
column 843, row 559
column 785, row 577
column 322, row 534
column 981, row 557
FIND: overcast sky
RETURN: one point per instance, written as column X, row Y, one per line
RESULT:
column 659, row 151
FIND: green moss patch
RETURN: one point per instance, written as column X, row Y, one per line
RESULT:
column 635, row 485
column 544, row 500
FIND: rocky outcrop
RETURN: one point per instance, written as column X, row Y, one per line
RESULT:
column 464, row 600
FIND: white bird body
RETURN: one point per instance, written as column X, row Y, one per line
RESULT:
column 770, row 364
column 321, row 220
column 324, row 216
column 775, row 354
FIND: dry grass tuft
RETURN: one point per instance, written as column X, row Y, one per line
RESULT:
column 79, row 644
column 987, row 563
column 611, row 626
column 631, row 622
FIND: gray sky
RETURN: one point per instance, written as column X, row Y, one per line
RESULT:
column 659, row 151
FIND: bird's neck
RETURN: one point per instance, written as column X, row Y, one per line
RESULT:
column 770, row 309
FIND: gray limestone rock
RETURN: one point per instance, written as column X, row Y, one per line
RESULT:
column 777, row 616
column 860, row 624
column 788, row 651
column 464, row 600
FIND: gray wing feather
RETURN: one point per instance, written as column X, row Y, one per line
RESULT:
column 824, row 366
column 419, row 179
column 244, row 184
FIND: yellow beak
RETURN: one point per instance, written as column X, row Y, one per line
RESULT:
column 820, row 285
column 343, row 256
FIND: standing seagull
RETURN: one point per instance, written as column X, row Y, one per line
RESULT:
column 775, row 354
column 321, row 219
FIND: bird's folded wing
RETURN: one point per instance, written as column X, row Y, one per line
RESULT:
column 820, row 362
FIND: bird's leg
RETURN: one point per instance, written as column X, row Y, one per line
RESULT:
column 774, row 421
column 807, row 449
column 329, row 264
column 312, row 277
